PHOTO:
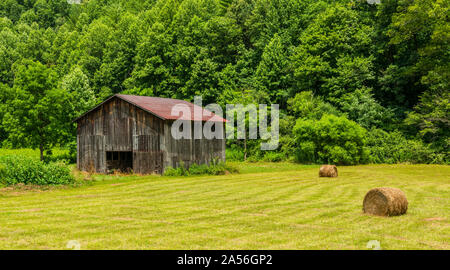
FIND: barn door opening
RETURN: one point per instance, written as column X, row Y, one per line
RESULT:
column 119, row 161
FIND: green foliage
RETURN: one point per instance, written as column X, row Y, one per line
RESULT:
column 333, row 56
column 431, row 118
column 82, row 97
column 26, row 170
column 225, row 4
column 306, row 105
column 174, row 172
column 415, row 56
column 4, row 96
column 3, row 172
column 37, row 111
column 393, row 147
column 271, row 156
column 53, row 155
column 383, row 66
column 332, row 139
column 234, row 153
column 68, row 157
column 215, row 168
column 273, row 74
column 179, row 171
column 361, row 107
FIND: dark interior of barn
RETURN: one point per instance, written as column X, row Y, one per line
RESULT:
column 119, row 161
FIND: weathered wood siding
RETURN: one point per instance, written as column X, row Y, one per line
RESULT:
column 118, row 126
column 199, row 151
column 123, row 127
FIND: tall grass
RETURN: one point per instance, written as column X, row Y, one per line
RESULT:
column 16, row 169
column 33, row 153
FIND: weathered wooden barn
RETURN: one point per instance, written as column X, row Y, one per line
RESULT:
column 134, row 133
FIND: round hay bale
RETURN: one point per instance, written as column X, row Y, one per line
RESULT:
column 328, row 171
column 385, row 201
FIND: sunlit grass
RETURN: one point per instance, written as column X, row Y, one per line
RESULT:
column 267, row 206
column 31, row 152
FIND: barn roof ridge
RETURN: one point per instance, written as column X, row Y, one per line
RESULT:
column 160, row 107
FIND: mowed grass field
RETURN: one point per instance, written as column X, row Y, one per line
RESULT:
column 267, row 206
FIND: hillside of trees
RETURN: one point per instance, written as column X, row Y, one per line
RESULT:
column 356, row 82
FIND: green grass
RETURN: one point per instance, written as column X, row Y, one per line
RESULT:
column 268, row 206
column 31, row 152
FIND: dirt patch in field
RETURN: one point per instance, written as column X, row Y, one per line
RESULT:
column 259, row 214
column 82, row 196
column 14, row 193
column 435, row 198
column 432, row 244
column 437, row 222
column 124, row 218
column 21, row 189
column 30, row 210
column 435, row 245
column 32, row 187
column 397, row 237
column 162, row 221
column 316, row 227
column 435, row 219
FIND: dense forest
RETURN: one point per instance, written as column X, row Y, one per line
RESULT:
column 356, row 81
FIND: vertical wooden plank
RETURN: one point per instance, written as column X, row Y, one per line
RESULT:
column 78, row 152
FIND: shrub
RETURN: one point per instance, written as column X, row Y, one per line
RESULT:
column 361, row 107
column 234, row 154
column 180, row 171
column 332, row 139
column 196, row 169
column 393, row 147
column 306, row 151
column 272, row 156
column 215, row 168
column 64, row 157
column 21, row 169
column 2, row 172
column 173, row 172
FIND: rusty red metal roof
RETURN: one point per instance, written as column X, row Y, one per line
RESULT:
column 162, row 108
